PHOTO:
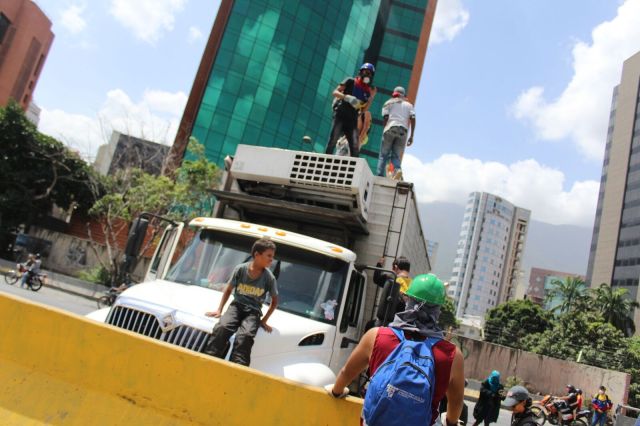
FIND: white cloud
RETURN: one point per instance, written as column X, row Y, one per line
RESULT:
column 194, row 34
column 581, row 112
column 528, row 184
column 71, row 18
column 451, row 18
column 156, row 117
column 148, row 19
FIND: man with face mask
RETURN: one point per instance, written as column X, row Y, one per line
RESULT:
column 351, row 96
column 418, row 322
column 519, row 403
column 601, row 404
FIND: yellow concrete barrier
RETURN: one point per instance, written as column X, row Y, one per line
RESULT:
column 58, row 368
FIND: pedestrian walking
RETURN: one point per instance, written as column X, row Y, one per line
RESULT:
column 393, row 396
column 601, row 405
column 518, row 402
column 399, row 118
column 250, row 282
column 487, row 408
column 351, row 96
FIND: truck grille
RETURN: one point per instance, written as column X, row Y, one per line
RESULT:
column 148, row 325
column 323, row 170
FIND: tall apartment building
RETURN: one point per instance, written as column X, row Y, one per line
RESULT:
column 25, row 39
column 269, row 69
column 487, row 266
column 615, row 246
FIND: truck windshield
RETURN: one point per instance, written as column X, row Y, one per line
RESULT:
column 309, row 284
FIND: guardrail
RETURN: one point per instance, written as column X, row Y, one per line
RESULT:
column 59, row 368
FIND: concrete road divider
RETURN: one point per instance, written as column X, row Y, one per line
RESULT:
column 59, row 368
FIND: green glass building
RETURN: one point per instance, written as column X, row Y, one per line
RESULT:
column 270, row 66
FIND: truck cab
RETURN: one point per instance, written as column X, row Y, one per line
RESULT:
column 321, row 297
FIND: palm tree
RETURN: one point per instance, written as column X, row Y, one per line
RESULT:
column 616, row 307
column 571, row 292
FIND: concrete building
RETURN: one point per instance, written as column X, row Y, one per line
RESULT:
column 269, row 69
column 124, row 151
column 25, row 39
column 487, row 266
column 615, row 246
column 432, row 251
column 541, row 281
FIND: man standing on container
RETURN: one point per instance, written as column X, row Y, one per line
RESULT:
column 398, row 115
column 351, row 96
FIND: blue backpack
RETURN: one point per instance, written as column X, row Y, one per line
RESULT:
column 401, row 390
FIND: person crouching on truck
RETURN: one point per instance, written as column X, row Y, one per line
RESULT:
column 419, row 323
column 351, row 96
column 250, row 282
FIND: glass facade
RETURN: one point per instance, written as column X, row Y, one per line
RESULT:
column 279, row 61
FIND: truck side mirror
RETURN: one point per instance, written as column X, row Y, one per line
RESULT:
column 137, row 232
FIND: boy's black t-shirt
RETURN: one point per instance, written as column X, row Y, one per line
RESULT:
column 252, row 292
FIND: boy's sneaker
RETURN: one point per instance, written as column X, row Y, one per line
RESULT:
column 398, row 175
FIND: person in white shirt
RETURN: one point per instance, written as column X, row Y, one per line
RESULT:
column 399, row 117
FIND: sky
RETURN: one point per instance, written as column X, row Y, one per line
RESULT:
column 514, row 98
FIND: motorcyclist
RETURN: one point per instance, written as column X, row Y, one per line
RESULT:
column 351, row 96
column 567, row 404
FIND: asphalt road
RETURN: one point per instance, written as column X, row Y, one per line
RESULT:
column 51, row 297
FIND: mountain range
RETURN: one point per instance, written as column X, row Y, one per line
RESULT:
column 562, row 248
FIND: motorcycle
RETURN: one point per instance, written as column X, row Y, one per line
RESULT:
column 548, row 407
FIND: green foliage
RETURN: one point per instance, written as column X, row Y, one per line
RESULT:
column 510, row 323
column 572, row 292
column 601, row 344
column 448, row 315
column 195, row 177
column 98, row 275
column 512, row 381
column 38, row 171
column 130, row 192
column 631, row 364
column 616, row 307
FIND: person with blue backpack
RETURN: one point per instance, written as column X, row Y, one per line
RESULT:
column 410, row 364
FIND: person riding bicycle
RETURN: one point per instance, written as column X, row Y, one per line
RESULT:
column 567, row 404
column 33, row 268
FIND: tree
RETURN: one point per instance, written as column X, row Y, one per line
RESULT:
column 130, row 192
column 194, row 178
column 38, row 171
column 448, row 315
column 509, row 323
column 581, row 334
column 571, row 293
column 616, row 307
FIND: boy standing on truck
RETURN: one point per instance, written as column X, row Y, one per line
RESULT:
column 249, row 283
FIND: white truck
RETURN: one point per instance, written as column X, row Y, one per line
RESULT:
column 328, row 216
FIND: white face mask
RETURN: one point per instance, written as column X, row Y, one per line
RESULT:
column 366, row 80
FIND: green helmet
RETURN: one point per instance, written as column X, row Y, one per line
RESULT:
column 427, row 288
